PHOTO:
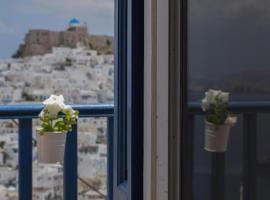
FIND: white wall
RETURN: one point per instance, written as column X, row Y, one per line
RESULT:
column 156, row 100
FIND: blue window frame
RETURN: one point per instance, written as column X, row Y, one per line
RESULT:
column 128, row 137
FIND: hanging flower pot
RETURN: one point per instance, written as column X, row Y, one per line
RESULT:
column 218, row 120
column 56, row 121
column 51, row 147
column 216, row 137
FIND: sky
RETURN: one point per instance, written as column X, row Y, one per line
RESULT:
column 18, row 16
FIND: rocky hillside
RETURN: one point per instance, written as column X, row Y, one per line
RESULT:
column 41, row 42
column 101, row 43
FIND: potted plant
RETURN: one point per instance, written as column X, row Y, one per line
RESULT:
column 218, row 120
column 56, row 121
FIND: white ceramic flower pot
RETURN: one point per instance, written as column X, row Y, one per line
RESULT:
column 51, row 147
column 216, row 137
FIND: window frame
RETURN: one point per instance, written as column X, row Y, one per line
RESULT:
column 129, row 75
column 180, row 148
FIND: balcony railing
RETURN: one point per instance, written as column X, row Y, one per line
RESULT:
column 249, row 112
column 25, row 114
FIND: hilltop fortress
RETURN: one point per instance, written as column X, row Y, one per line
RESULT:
column 40, row 42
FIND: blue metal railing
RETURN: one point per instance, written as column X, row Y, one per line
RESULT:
column 25, row 113
column 249, row 111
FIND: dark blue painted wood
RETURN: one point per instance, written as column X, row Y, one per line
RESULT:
column 249, row 156
column 70, row 166
column 32, row 110
column 218, row 176
column 110, row 159
column 188, row 157
column 25, row 159
column 135, row 97
column 120, row 187
column 129, row 67
column 236, row 107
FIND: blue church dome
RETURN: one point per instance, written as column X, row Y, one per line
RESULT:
column 74, row 21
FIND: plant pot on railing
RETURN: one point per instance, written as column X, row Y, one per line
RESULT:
column 56, row 121
column 218, row 121
column 216, row 137
column 51, row 147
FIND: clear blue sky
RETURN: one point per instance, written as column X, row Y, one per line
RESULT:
column 18, row 16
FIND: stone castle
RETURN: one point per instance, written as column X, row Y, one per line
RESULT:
column 40, row 42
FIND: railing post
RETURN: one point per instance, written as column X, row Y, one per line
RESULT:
column 25, row 159
column 187, row 157
column 218, row 176
column 110, row 158
column 250, row 156
column 70, row 166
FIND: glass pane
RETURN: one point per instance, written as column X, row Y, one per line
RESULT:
column 228, row 45
column 228, row 48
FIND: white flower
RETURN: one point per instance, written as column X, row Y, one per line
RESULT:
column 69, row 110
column 54, row 99
column 210, row 98
column 53, row 110
column 53, row 105
column 231, row 121
column 41, row 114
column 224, row 96
column 39, row 129
column 50, row 119
column 205, row 104
column 212, row 94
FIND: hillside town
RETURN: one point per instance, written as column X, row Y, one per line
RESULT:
column 83, row 75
